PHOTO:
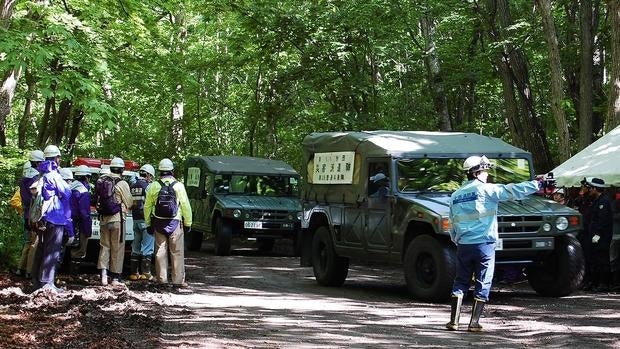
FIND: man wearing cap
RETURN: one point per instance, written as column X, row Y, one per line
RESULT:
column 169, row 231
column 56, row 195
column 381, row 183
column 142, row 244
column 600, row 230
column 80, row 209
column 473, row 218
column 113, row 201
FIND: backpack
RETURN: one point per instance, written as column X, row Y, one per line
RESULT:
column 166, row 205
column 105, row 200
column 38, row 207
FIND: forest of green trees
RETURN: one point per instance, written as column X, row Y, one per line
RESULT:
column 146, row 79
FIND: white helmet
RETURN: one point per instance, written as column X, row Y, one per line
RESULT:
column 117, row 162
column 148, row 169
column 82, row 170
column 66, row 173
column 37, row 155
column 476, row 163
column 105, row 170
column 51, row 151
column 166, row 165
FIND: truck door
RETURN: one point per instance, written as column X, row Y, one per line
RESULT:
column 378, row 208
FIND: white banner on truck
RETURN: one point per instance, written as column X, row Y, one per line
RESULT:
column 333, row 167
column 193, row 177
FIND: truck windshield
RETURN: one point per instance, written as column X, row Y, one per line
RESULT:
column 256, row 185
column 445, row 174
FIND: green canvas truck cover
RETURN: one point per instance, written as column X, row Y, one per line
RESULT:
column 388, row 144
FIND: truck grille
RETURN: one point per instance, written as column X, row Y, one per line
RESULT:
column 269, row 215
column 509, row 225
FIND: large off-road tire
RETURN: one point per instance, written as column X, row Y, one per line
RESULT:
column 329, row 268
column 223, row 237
column 430, row 267
column 195, row 240
column 265, row 244
column 560, row 272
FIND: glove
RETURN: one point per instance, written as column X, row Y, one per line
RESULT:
column 186, row 229
column 70, row 240
column 150, row 230
column 595, row 239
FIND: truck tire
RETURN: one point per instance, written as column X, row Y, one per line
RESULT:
column 195, row 240
column 329, row 268
column 223, row 237
column 265, row 244
column 560, row 272
column 430, row 267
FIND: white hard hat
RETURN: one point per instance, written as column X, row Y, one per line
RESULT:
column 66, row 173
column 148, row 169
column 51, row 151
column 166, row 165
column 476, row 163
column 82, row 170
column 560, row 191
column 37, row 155
column 117, row 162
column 105, row 169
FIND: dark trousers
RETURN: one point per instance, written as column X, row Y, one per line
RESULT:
column 47, row 254
column 600, row 271
column 477, row 260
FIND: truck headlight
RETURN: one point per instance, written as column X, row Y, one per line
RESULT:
column 236, row 213
column 300, row 215
column 561, row 223
column 547, row 227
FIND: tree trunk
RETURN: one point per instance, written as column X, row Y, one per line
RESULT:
column 557, row 90
column 585, row 75
column 10, row 77
column 60, row 121
column 612, row 118
column 178, row 103
column 433, row 73
column 76, row 123
column 520, row 111
column 27, row 119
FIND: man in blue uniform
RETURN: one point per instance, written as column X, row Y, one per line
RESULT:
column 473, row 215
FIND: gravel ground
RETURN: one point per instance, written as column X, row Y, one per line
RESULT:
column 252, row 300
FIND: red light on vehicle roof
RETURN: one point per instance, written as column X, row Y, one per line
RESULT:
column 90, row 162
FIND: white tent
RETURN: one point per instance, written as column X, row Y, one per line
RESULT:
column 600, row 159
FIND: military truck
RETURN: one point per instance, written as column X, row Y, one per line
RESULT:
column 240, row 196
column 345, row 220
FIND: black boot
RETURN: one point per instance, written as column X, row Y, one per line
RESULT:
column 455, row 313
column 476, row 311
column 134, row 262
column 146, row 269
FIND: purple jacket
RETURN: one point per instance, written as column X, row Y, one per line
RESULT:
column 80, row 208
column 24, row 191
column 57, row 190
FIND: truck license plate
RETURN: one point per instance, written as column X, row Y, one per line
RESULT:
column 253, row 225
column 499, row 245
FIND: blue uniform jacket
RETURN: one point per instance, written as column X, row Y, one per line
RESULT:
column 473, row 209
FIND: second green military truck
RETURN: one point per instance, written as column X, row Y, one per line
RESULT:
column 383, row 197
column 241, row 196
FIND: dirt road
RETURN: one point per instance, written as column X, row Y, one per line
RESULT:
column 249, row 300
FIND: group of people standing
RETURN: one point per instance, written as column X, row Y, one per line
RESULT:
column 56, row 206
column 597, row 233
